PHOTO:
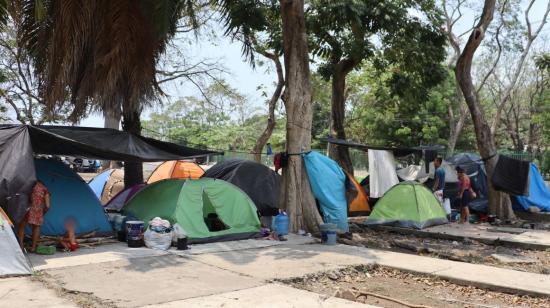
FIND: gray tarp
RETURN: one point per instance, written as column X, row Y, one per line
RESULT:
column 19, row 142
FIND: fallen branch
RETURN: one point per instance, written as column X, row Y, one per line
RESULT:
column 391, row 299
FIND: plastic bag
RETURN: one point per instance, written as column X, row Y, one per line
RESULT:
column 179, row 232
column 447, row 206
column 156, row 240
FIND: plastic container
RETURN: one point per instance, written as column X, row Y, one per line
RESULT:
column 45, row 250
column 328, row 233
column 280, row 224
column 182, row 243
column 134, row 233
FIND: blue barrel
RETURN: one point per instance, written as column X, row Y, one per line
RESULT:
column 328, row 233
column 280, row 224
column 134, row 233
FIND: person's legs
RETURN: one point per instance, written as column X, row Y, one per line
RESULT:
column 35, row 237
column 21, row 231
column 466, row 214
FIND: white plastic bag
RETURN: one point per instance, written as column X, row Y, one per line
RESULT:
column 447, row 206
column 155, row 240
column 179, row 232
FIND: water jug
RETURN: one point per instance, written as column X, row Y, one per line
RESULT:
column 280, row 224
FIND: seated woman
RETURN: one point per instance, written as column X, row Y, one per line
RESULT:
column 68, row 242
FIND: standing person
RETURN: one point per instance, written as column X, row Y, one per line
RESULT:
column 40, row 204
column 439, row 180
column 465, row 194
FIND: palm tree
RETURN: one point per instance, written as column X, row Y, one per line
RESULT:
column 100, row 53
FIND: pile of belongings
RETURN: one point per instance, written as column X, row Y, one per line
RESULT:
column 159, row 234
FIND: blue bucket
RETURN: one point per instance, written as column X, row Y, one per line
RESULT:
column 134, row 233
column 280, row 224
column 328, row 233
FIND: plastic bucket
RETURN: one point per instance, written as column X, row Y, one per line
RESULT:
column 328, row 233
column 134, row 233
column 280, row 224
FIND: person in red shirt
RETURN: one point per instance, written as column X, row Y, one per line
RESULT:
column 465, row 195
column 40, row 204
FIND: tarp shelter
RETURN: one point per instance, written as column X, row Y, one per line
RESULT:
column 18, row 143
column 119, row 201
column 358, row 202
column 327, row 181
column 70, row 196
column 12, row 260
column 176, row 169
column 539, row 194
column 189, row 203
column 107, row 184
column 258, row 181
column 382, row 172
column 410, row 205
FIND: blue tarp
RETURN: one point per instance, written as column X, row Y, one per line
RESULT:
column 70, row 196
column 539, row 194
column 327, row 182
column 98, row 182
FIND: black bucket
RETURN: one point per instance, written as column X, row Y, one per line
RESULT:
column 182, row 244
column 121, row 236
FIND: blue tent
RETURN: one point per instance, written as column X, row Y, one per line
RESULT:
column 327, row 181
column 539, row 194
column 70, row 196
column 98, row 182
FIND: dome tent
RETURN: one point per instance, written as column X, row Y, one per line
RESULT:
column 190, row 202
column 13, row 261
column 120, row 200
column 107, row 184
column 69, row 197
column 176, row 169
column 408, row 204
column 258, row 181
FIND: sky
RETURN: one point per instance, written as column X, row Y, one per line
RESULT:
column 247, row 80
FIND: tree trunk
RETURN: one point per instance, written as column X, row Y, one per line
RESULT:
column 296, row 192
column 338, row 102
column 456, row 124
column 133, row 171
column 271, row 122
column 112, row 120
column 499, row 203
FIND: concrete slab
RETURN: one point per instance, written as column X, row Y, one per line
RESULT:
column 269, row 295
column 99, row 254
column 198, row 249
column 288, row 261
column 143, row 281
column 485, row 233
column 23, row 292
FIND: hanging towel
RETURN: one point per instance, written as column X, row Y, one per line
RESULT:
column 511, row 176
column 382, row 172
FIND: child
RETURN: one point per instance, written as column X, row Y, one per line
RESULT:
column 68, row 242
column 40, row 204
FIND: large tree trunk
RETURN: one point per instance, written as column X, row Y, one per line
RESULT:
column 499, row 203
column 133, row 171
column 296, row 194
column 338, row 102
column 112, row 120
column 271, row 122
column 456, row 123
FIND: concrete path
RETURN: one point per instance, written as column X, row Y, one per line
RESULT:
column 485, row 233
column 23, row 292
column 268, row 295
column 234, row 274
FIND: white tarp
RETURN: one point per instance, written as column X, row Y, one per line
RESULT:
column 382, row 174
column 12, row 259
column 413, row 173
column 450, row 172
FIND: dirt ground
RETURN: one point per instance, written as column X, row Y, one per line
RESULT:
column 470, row 251
column 370, row 284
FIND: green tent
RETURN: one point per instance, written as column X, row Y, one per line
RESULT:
column 408, row 204
column 189, row 203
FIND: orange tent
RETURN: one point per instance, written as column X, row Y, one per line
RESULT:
column 176, row 169
column 357, row 199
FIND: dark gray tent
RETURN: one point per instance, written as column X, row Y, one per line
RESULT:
column 258, row 181
column 18, row 143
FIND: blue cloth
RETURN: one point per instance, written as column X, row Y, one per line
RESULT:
column 440, row 175
column 539, row 195
column 327, row 181
column 268, row 149
column 69, row 197
column 98, row 182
